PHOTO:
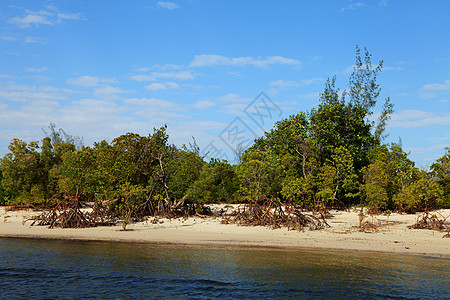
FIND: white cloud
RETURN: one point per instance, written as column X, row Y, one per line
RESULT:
column 208, row 60
column 51, row 16
column 155, row 87
column 167, row 67
column 440, row 139
column 108, row 92
column 36, row 70
column 202, row 104
column 182, row 75
column 284, row 84
column 145, row 69
column 434, row 89
column 153, row 76
column 89, row 81
column 353, row 6
column 167, row 4
column 30, row 19
column 35, row 40
column 162, row 86
column 233, row 98
column 142, row 77
column 23, row 93
column 310, row 96
column 383, row 3
column 154, row 103
column 294, row 84
column 437, row 86
column 172, row 85
column 8, row 38
column 418, row 118
column 68, row 16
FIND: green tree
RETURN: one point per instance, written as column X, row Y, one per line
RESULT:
column 156, row 162
column 440, row 171
column 186, row 170
column 260, row 173
column 421, row 195
column 21, row 173
column 217, row 183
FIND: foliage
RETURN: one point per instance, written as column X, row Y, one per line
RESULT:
column 217, row 182
column 260, row 175
column 421, row 195
column 440, row 172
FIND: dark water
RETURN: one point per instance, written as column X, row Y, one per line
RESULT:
column 36, row 269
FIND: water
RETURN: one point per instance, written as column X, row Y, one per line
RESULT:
column 36, row 269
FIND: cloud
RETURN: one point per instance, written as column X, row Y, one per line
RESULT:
column 8, row 38
column 51, row 16
column 202, row 104
column 437, row 86
column 36, row 70
column 233, row 98
column 89, row 81
column 35, row 40
column 167, row 4
column 353, row 6
column 23, row 93
column 383, row 3
column 434, row 89
column 210, row 60
column 142, row 77
column 154, row 76
column 30, row 19
column 108, row 92
column 63, row 16
column 182, row 75
column 154, row 103
column 155, row 87
column 167, row 67
column 418, row 118
column 284, row 84
column 294, row 84
column 310, row 96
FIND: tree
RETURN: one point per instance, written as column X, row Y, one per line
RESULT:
column 21, row 173
column 155, row 159
column 421, row 195
column 440, row 172
column 260, row 174
column 186, row 170
column 217, row 183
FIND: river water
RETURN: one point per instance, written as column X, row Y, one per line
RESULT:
column 37, row 269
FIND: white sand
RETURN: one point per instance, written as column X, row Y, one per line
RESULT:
column 393, row 236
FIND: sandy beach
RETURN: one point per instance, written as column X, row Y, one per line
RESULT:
column 392, row 234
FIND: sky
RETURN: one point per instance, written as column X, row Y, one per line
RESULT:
column 222, row 72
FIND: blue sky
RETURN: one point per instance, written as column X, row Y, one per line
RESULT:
column 102, row 68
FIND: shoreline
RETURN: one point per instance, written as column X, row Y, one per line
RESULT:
column 392, row 235
column 223, row 246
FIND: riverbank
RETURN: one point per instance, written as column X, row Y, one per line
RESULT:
column 391, row 235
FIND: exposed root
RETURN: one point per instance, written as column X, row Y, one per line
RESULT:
column 272, row 214
column 367, row 226
column 67, row 213
column 430, row 221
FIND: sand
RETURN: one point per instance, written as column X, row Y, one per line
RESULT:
column 393, row 234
